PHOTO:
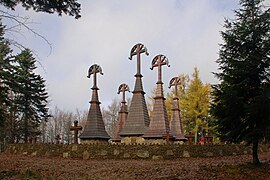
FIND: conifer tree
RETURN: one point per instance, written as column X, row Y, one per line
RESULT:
column 23, row 96
column 30, row 94
column 69, row 7
column 241, row 103
column 5, row 75
column 8, row 83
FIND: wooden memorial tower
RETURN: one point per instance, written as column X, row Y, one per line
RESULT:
column 138, row 119
column 94, row 130
column 176, row 124
column 159, row 129
column 122, row 115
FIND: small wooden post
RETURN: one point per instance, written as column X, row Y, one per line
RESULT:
column 30, row 139
column 190, row 137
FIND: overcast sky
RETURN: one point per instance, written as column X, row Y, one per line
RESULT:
column 187, row 32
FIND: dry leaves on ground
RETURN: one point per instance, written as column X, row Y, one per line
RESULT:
column 232, row 167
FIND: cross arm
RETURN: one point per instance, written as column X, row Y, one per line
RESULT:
column 122, row 88
column 159, row 60
column 174, row 81
column 94, row 69
column 138, row 49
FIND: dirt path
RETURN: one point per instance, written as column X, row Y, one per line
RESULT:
column 27, row 167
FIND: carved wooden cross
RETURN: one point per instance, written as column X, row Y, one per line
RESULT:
column 76, row 129
column 137, row 50
column 159, row 61
column 175, row 81
column 123, row 88
column 57, row 138
column 94, row 69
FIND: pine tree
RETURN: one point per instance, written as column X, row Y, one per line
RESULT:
column 5, row 75
column 241, row 103
column 30, row 95
column 69, row 7
column 7, row 85
column 23, row 96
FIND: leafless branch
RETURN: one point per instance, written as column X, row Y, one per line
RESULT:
column 19, row 24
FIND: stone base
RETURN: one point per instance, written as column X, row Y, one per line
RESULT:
column 120, row 152
column 158, row 141
column 115, row 143
column 179, row 142
column 115, row 140
column 141, row 140
column 94, row 141
column 132, row 140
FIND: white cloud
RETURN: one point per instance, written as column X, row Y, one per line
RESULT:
column 186, row 31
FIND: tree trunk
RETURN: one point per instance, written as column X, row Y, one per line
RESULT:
column 196, row 134
column 255, row 145
column 26, row 130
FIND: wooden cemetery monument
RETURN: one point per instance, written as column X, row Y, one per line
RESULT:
column 159, row 129
column 122, row 115
column 138, row 119
column 176, row 123
column 94, row 130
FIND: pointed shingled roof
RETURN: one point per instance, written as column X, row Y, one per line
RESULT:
column 138, row 119
column 94, row 128
column 176, row 124
column 122, row 115
column 159, row 125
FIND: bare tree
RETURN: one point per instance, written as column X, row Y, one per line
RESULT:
column 60, row 124
column 15, row 25
column 110, row 116
column 57, row 125
column 81, row 117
